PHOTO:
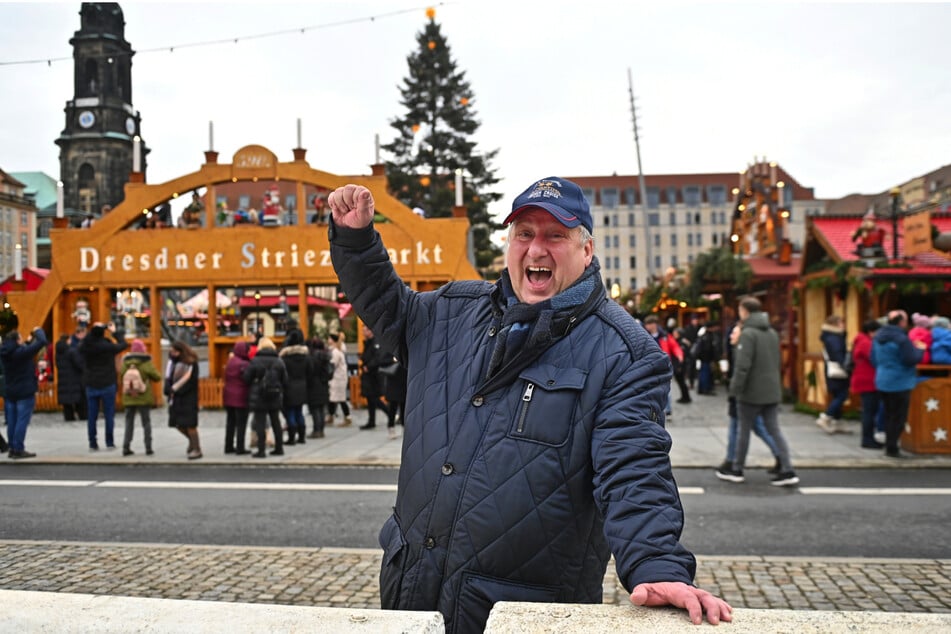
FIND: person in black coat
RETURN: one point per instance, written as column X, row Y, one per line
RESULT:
column 297, row 361
column 181, row 389
column 371, row 383
column 19, row 397
column 69, row 384
column 98, row 352
column 318, row 388
column 394, row 389
column 266, row 406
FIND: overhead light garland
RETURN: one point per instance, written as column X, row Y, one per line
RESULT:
column 430, row 11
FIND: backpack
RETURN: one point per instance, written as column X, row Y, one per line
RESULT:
column 271, row 384
column 132, row 383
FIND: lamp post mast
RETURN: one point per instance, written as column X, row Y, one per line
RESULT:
column 896, row 193
column 641, row 183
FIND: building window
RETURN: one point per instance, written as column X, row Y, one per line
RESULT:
column 657, row 262
column 632, row 240
column 23, row 219
column 653, row 219
column 617, row 262
column 633, row 262
column 716, row 195
column 614, row 219
column 692, row 196
column 689, row 217
column 690, row 258
column 689, row 239
column 589, row 195
column 672, row 196
column 630, row 220
column 607, row 220
column 673, row 239
column 714, row 239
column 630, row 196
column 607, row 242
column 653, row 197
column 609, row 197
column 656, row 240
column 696, row 218
column 673, row 219
column 616, row 240
column 633, row 283
column 699, row 240
column 607, row 264
column 673, row 261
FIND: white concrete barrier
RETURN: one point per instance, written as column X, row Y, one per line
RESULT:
column 25, row 611
column 556, row 618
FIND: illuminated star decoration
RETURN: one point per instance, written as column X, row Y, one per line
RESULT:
column 940, row 434
column 931, row 405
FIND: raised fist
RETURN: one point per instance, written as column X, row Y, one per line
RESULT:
column 351, row 206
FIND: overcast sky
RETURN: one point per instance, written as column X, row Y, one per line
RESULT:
column 846, row 97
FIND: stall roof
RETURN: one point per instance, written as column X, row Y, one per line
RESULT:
column 834, row 235
column 766, row 268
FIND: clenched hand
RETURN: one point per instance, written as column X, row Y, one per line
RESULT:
column 351, row 206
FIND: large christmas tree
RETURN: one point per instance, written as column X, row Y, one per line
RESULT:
column 434, row 139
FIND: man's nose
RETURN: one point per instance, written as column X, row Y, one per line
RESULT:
column 537, row 247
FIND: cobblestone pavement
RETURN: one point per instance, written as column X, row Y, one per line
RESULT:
column 329, row 577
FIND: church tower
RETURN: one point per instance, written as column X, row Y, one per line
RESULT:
column 97, row 144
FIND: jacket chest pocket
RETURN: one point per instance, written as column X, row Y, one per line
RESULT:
column 548, row 405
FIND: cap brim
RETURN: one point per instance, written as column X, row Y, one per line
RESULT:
column 568, row 219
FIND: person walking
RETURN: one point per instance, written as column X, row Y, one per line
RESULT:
column 138, row 374
column 834, row 353
column 339, row 383
column 267, row 377
column 708, row 352
column 862, row 381
column 669, row 346
column 181, row 389
column 681, row 364
column 19, row 399
column 98, row 351
column 372, row 359
column 757, row 386
column 318, row 389
column 69, row 380
column 895, row 358
column 393, row 376
column 734, row 429
column 534, row 397
column 297, row 361
column 235, row 399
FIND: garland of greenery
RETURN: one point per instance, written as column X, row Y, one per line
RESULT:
column 718, row 265
column 8, row 320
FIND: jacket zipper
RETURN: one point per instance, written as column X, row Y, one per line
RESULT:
column 526, row 401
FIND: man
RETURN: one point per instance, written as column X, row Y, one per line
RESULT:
column 673, row 350
column 534, row 444
column 895, row 357
column 757, row 386
column 19, row 370
column 371, row 383
column 99, row 376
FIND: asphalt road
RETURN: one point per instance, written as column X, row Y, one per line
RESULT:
column 870, row 513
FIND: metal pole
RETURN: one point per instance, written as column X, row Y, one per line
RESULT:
column 896, row 192
column 641, row 183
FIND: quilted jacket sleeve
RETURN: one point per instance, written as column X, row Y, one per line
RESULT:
column 377, row 293
column 633, row 480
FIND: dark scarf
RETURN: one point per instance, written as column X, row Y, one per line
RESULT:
column 527, row 330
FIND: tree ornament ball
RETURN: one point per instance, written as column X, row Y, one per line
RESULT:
column 464, row 101
column 424, row 181
column 431, row 45
column 415, row 128
column 430, row 13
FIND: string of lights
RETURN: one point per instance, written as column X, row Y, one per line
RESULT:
column 233, row 40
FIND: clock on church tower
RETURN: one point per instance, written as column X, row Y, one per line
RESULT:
column 101, row 124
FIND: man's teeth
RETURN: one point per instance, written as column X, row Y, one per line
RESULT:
column 538, row 269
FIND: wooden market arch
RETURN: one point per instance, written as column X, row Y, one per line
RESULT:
column 112, row 254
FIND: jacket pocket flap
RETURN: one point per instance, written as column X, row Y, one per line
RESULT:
column 550, row 377
column 391, row 539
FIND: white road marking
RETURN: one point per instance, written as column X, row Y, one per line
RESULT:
column 874, row 491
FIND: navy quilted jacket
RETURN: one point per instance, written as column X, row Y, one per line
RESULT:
column 523, row 492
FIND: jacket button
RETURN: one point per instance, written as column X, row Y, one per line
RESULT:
column 448, row 469
column 478, row 400
column 430, row 543
column 492, row 331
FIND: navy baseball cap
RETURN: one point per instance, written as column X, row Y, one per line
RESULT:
column 560, row 197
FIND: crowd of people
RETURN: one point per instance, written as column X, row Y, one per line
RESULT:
column 880, row 367
column 263, row 385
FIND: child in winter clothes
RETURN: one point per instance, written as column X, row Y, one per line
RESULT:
column 138, row 402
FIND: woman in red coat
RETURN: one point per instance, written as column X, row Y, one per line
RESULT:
column 863, row 382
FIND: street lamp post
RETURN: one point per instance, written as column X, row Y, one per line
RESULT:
column 257, row 312
column 896, row 193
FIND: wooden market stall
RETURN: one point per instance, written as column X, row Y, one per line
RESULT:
column 842, row 277
column 247, row 274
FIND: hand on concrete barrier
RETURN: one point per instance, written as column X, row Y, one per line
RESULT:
column 352, row 206
column 680, row 595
